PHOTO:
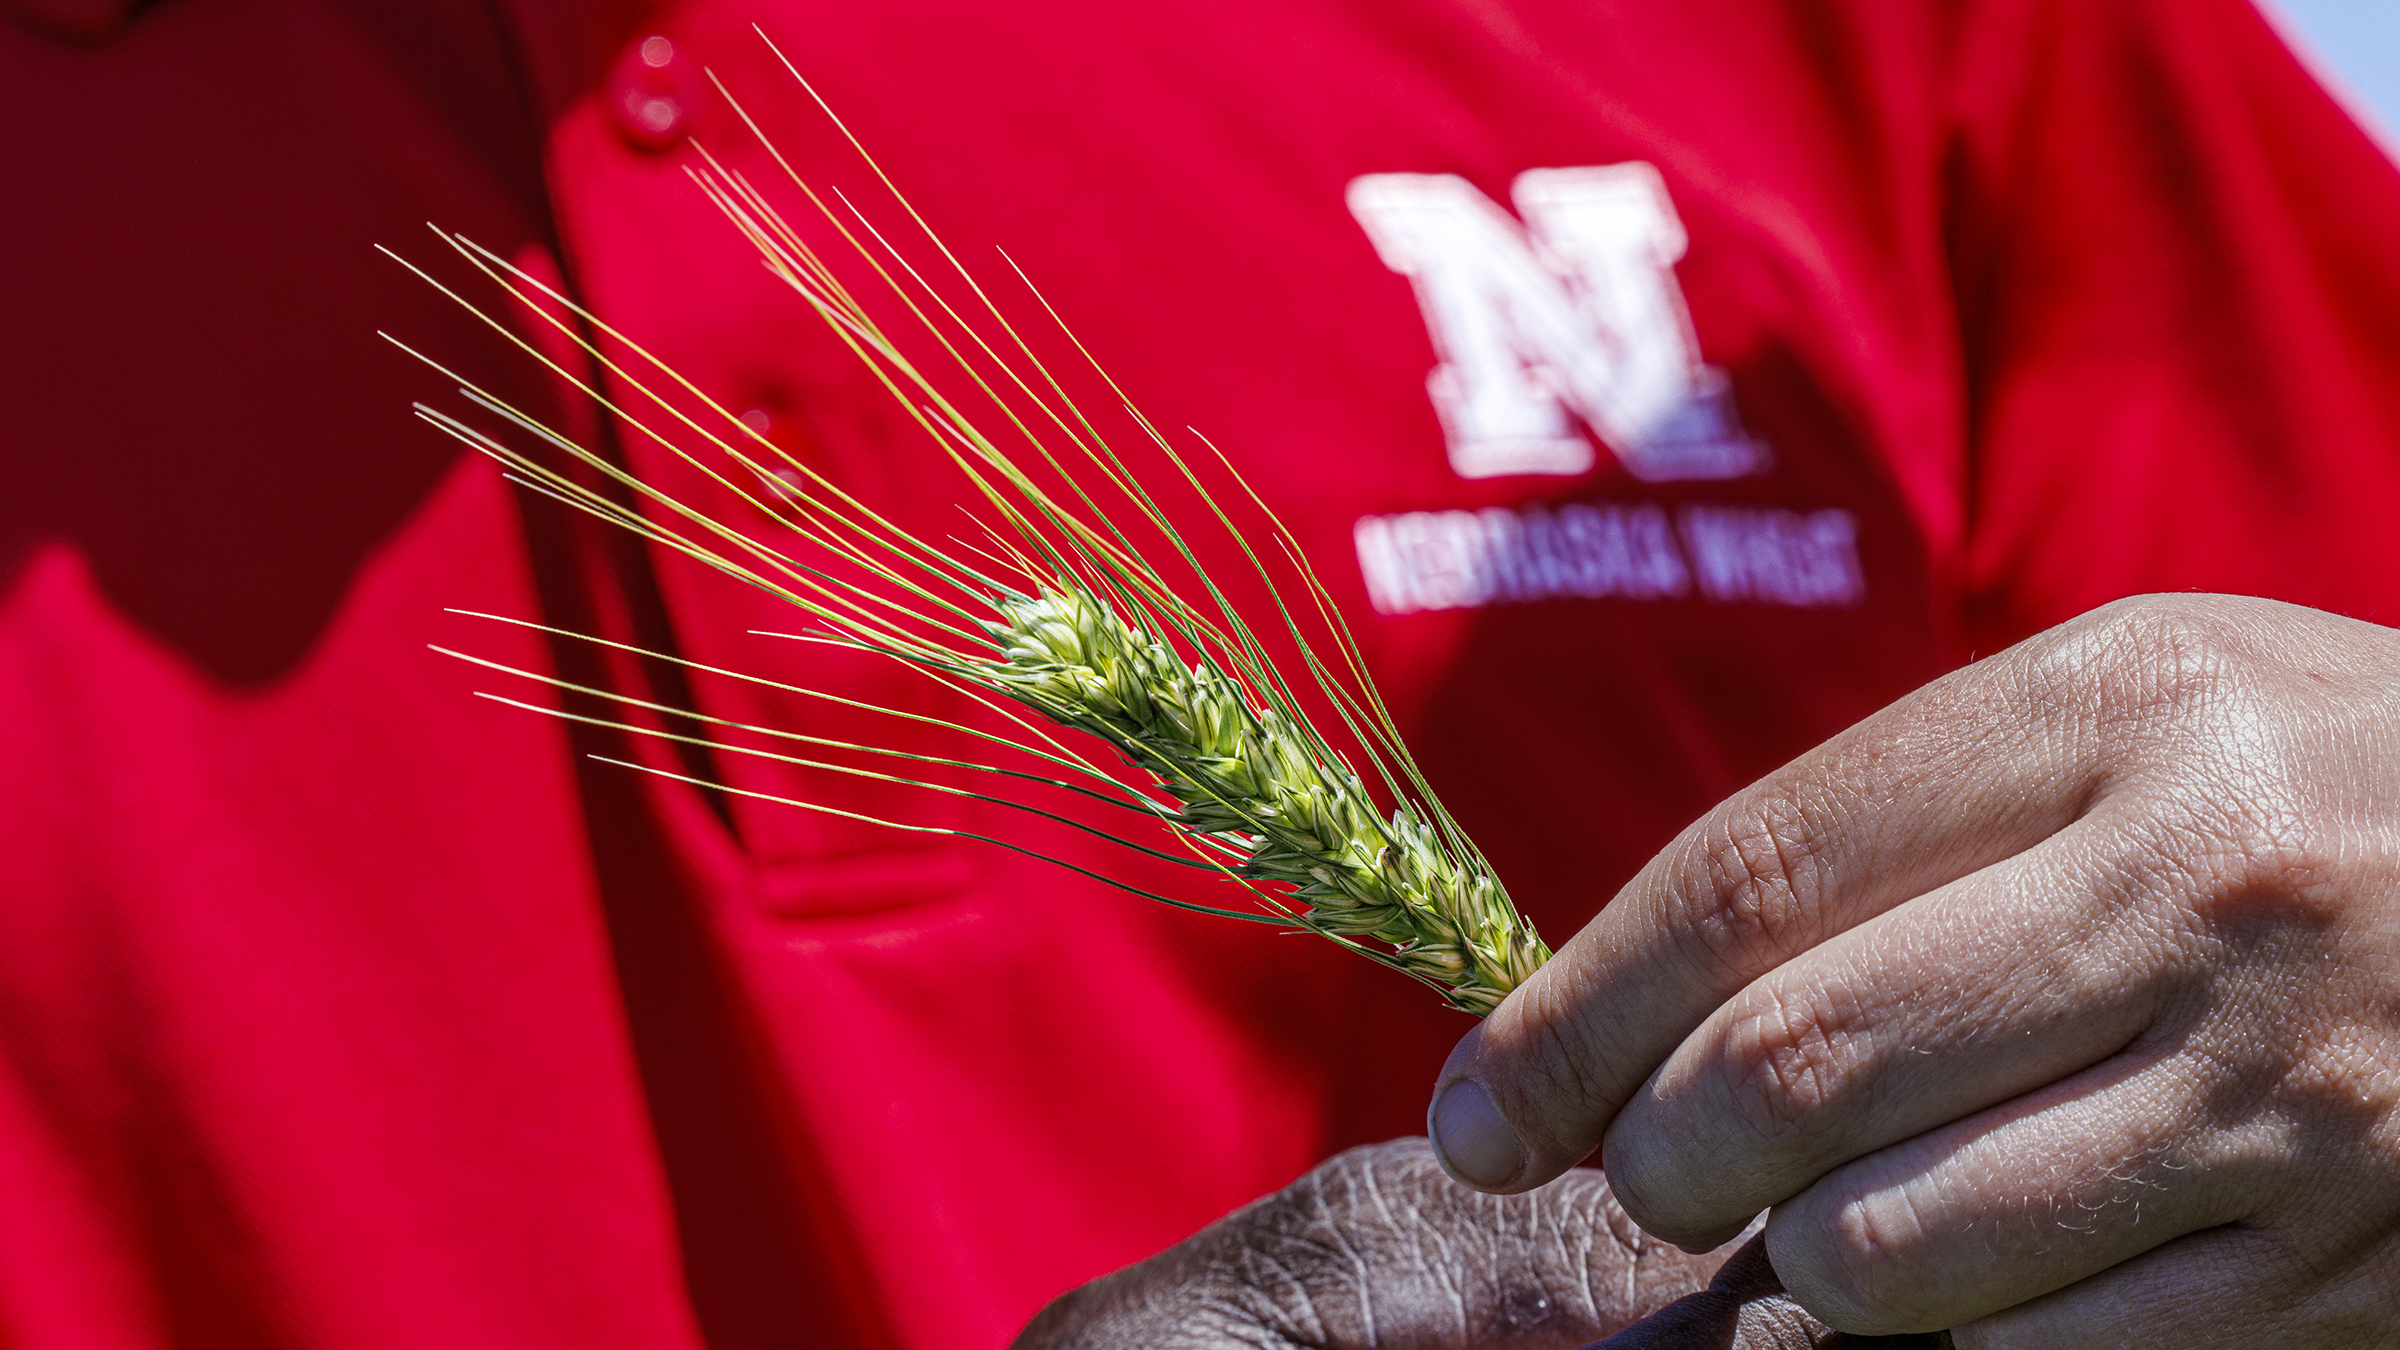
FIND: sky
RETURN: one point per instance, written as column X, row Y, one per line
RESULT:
column 2355, row 45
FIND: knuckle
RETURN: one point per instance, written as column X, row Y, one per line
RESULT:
column 2232, row 843
column 1779, row 1072
column 2259, row 854
column 2343, row 1083
column 1752, row 886
column 1859, row 1270
column 1786, row 1060
column 2225, row 809
column 2142, row 662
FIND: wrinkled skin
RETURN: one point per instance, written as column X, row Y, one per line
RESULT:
column 1378, row 1250
column 2057, row 1004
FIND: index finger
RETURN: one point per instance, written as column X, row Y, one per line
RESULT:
column 1966, row 772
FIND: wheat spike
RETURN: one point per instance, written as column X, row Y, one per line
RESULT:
column 1073, row 623
column 1244, row 777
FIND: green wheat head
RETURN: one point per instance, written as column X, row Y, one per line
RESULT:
column 1062, row 617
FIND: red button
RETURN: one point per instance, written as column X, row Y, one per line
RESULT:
column 654, row 93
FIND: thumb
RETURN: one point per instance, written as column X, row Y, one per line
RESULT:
column 1899, row 805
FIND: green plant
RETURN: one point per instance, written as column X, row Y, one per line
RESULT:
column 1062, row 614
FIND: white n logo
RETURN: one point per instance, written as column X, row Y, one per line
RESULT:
column 1574, row 317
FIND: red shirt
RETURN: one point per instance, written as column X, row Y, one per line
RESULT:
column 342, row 1008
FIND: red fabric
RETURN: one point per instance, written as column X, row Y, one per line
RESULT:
column 342, row 1008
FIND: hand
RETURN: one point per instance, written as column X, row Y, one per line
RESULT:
column 1377, row 1250
column 2058, row 1003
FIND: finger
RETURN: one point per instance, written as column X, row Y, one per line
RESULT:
column 2232, row 1288
column 1988, row 988
column 1744, row 1308
column 2025, row 1199
column 1971, row 770
column 1375, row 1249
